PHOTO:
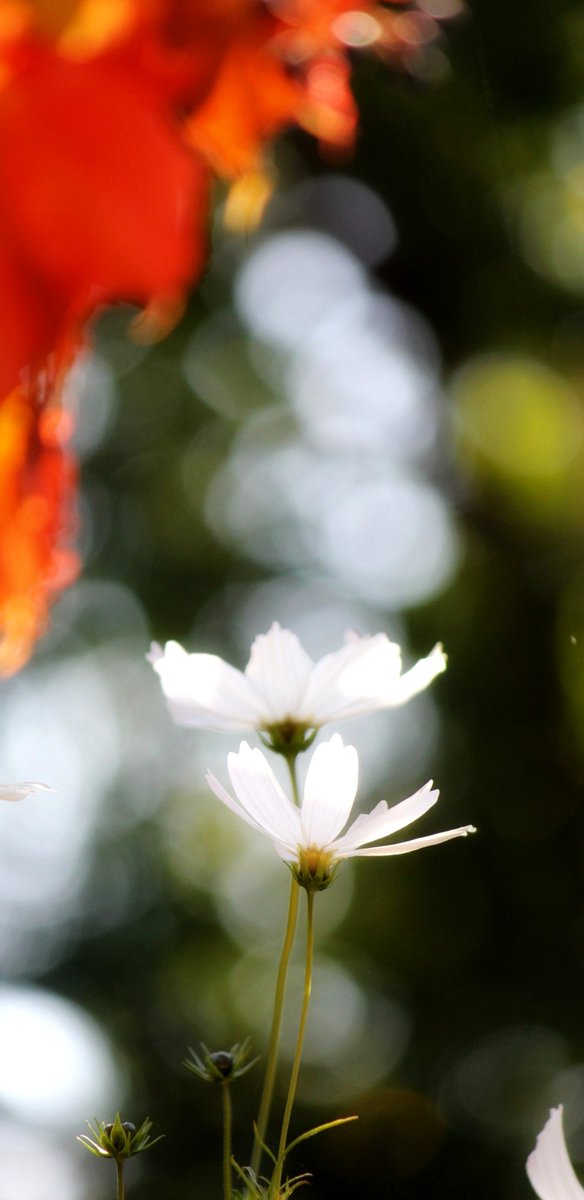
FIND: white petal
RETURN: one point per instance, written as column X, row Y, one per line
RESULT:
column 155, row 653
column 232, row 804
column 549, row 1168
column 433, row 839
column 279, row 669
column 18, row 791
column 287, row 853
column 329, row 791
column 262, row 797
column 417, row 678
column 352, row 680
column 384, row 821
column 365, row 675
column 203, row 691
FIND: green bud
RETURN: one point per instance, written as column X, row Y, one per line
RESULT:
column 118, row 1139
column 223, row 1061
column 220, row 1066
column 119, row 1136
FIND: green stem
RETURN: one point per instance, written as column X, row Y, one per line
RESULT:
column 277, row 1176
column 274, row 1043
column 227, row 1122
column 291, row 764
column 120, row 1192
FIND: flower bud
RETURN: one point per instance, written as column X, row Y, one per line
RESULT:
column 118, row 1139
column 223, row 1061
column 220, row 1066
column 118, row 1136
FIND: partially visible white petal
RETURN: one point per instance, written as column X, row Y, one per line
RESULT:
column 279, row 669
column 287, row 853
column 262, row 797
column 352, row 680
column 417, row 678
column 329, row 791
column 433, row 839
column 549, row 1169
column 384, row 821
column 203, row 691
column 18, row 791
column 364, row 676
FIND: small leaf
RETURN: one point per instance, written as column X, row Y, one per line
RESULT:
column 264, row 1147
column 318, row 1129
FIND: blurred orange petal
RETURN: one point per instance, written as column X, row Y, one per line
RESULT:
column 253, row 96
column 100, row 202
column 108, row 203
column 37, row 519
column 31, row 318
column 331, row 113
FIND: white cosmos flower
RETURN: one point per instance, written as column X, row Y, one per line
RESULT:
column 18, row 791
column 281, row 685
column 549, row 1169
column 310, row 837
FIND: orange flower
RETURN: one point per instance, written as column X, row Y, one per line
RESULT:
column 100, row 201
column 114, row 114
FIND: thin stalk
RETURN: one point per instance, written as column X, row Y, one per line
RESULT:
column 261, row 1124
column 120, row 1192
column 277, row 1176
column 274, row 1044
column 291, row 764
column 227, row 1122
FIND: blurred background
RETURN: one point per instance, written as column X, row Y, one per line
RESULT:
column 372, row 417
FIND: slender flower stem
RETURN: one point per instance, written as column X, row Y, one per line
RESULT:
column 120, row 1192
column 227, row 1122
column 274, row 1044
column 291, row 764
column 277, row 1176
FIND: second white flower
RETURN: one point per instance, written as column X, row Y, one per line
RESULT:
column 310, row 838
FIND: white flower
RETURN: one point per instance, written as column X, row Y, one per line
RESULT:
column 282, row 687
column 549, row 1168
column 18, row 791
column 310, row 837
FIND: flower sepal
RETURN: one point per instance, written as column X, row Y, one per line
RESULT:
column 315, row 869
column 288, row 738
